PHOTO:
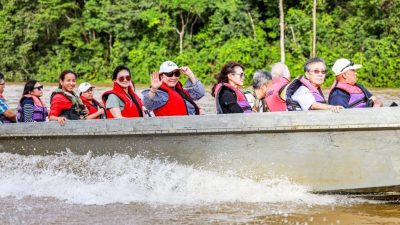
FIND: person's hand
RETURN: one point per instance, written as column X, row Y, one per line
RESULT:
column 155, row 81
column 202, row 112
column 188, row 72
column 61, row 120
column 100, row 111
column 377, row 102
column 335, row 108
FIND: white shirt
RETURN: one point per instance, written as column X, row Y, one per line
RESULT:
column 304, row 97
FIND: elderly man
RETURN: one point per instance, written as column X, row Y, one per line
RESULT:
column 304, row 93
column 262, row 83
column 6, row 114
column 345, row 91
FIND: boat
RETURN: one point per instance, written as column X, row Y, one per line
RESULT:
column 354, row 151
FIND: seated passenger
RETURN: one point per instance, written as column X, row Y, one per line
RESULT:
column 262, row 83
column 168, row 97
column 304, row 93
column 121, row 101
column 228, row 96
column 275, row 99
column 6, row 114
column 346, row 91
column 95, row 109
column 64, row 103
column 31, row 107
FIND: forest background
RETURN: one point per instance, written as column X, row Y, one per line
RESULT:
column 40, row 38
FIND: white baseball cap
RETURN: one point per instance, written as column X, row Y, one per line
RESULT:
column 342, row 65
column 168, row 66
column 84, row 87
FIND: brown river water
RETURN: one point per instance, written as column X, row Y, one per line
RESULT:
column 119, row 189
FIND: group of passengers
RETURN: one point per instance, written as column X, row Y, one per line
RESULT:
column 166, row 96
column 275, row 92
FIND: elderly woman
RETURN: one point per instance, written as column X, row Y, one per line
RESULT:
column 64, row 103
column 304, row 93
column 168, row 97
column 121, row 101
column 228, row 96
column 31, row 107
column 95, row 109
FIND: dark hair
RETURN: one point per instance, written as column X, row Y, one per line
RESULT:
column 62, row 76
column 119, row 69
column 222, row 77
column 29, row 86
column 312, row 61
column 260, row 78
column 1, row 76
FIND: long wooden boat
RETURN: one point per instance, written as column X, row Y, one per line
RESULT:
column 354, row 151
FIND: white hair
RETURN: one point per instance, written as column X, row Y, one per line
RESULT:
column 280, row 70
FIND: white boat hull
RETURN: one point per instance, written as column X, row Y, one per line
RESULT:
column 355, row 151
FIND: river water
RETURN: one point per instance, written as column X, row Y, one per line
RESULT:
column 119, row 189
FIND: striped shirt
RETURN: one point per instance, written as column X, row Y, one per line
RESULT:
column 3, row 106
column 28, row 107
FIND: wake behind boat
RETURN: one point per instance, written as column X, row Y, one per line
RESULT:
column 354, row 151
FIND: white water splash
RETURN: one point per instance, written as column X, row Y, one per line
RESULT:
column 122, row 179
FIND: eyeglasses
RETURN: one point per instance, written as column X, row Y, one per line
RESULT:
column 174, row 73
column 350, row 64
column 127, row 78
column 318, row 71
column 39, row 88
column 242, row 75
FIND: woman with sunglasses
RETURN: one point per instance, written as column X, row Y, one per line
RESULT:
column 228, row 96
column 168, row 97
column 64, row 103
column 304, row 93
column 121, row 101
column 31, row 107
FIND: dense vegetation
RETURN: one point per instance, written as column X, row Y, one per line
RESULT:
column 40, row 38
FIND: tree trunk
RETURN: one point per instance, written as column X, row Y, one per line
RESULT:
column 110, row 37
column 181, row 32
column 282, row 27
column 252, row 25
column 314, row 40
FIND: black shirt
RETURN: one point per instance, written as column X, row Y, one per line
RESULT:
column 228, row 102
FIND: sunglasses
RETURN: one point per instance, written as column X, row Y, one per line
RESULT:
column 242, row 75
column 174, row 73
column 127, row 78
column 318, row 71
column 39, row 88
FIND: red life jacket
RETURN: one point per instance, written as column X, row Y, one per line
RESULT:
column 274, row 102
column 92, row 108
column 176, row 105
column 240, row 98
column 73, row 108
column 133, row 104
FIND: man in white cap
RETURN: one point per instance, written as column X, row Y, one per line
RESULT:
column 168, row 97
column 95, row 108
column 346, row 91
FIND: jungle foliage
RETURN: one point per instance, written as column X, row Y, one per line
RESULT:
column 40, row 38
